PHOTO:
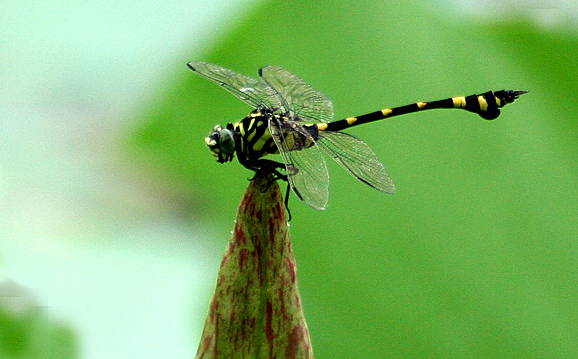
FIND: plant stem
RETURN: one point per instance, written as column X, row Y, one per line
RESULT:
column 256, row 310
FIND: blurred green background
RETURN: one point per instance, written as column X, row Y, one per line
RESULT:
column 114, row 214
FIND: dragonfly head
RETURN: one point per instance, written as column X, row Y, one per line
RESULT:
column 221, row 142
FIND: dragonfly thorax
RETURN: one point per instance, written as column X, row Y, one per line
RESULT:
column 254, row 135
column 221, row 142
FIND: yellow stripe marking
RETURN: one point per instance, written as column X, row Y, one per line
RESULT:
column 459, row 101
column 420, row 105
column 483, row 103
column 351, row 120
column 386, row 112
column 251, row 124
column 258, row 146
column 321, row 126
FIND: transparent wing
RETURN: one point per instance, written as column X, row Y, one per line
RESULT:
column 357, row 158
column 253, row 92
column 306, row 169
column 303, row 101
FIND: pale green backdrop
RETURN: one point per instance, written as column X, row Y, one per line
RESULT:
column 115, row 209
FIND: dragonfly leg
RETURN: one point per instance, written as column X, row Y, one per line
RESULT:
column 287, row 201
column 265, row 166
column 268, row 166
column 280, row 176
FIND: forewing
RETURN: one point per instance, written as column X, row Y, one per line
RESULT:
column 304, row 102
column 357, row 158
column 253, row 92
column 306, row 169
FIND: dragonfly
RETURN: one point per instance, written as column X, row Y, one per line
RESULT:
column 296, row 121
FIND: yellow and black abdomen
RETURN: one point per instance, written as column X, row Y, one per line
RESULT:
column 487, row 105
